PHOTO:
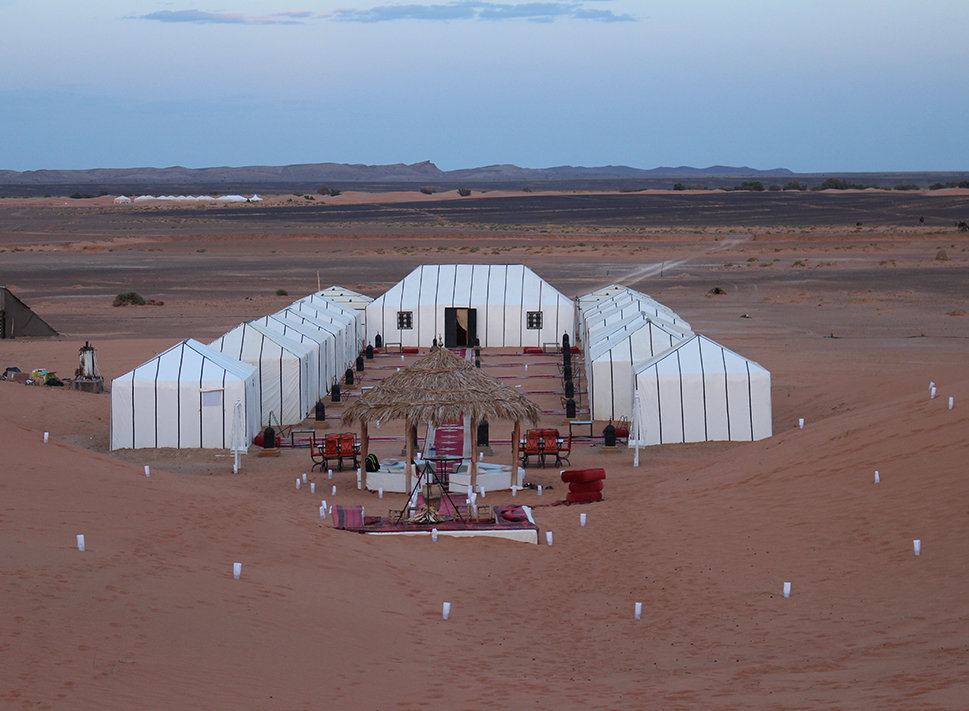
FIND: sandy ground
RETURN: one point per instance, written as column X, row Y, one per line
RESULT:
column 853, row 326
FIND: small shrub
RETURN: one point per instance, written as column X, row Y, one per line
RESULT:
column 716, row 291
column 463, row 192
column 427, row 191
column 941, row 256
column 282, row 292
column 129, row 298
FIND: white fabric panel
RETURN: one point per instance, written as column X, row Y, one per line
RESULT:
column 354, row 300
column 323, row 312
column 700, row 391
column 299, row 327
column 353, row 317
column 160, row 403
column 611, row 376
column 287, row 381
column 500, row 294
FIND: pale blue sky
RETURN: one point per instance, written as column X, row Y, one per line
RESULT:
column 824, row 85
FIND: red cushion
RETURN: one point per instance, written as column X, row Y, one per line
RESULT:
column 410, row 349
column 582, row 475
column 586, row 486
column 532, row 349
column 583, row 497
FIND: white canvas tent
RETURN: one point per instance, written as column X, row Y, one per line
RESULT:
column 324, row 341
column 611, row 358
column 499, row 304
column 351, row 299
column 701, row 391
column 622, row 306
column 184, row 398
column 335, row 318
column 287, row 370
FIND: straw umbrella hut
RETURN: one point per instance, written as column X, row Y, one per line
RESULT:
column 441, row 388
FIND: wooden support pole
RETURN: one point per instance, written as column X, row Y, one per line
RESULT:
column 474, row 454
column 409, row 431
column 364, row 451
column 516, row 436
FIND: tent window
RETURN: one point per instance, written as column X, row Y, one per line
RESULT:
column 211, row 398
column 405, row 320
column 533, row 320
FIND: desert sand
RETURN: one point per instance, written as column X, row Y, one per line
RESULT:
column 852, row 323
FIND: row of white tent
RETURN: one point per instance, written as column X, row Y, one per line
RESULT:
column 644, row 363
column 276, row 367
column 125, row 200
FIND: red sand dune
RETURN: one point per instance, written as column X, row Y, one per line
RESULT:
column 704, row 536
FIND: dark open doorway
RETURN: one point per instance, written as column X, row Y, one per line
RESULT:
column 460, row 327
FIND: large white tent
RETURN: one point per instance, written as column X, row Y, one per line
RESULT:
column 287, row 370
column 185, row 397
column 701, row 391
column 298, row 329
column 498, row 304
column 610, row 360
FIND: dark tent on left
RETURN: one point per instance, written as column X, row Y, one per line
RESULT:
column 16, row 318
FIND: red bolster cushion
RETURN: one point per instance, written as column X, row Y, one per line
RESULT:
column 585, row 486
column 532, row 349
column 410, row 349
column 583, row 497
column 583, row 475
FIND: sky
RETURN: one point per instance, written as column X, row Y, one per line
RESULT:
column 813, row 86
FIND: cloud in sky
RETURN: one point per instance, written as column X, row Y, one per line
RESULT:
column 481, row 10
column 201, row 17
column 456, row 10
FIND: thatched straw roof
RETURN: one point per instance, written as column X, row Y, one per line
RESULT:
column 439, row 388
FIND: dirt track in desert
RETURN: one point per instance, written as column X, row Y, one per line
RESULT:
column 853, row 321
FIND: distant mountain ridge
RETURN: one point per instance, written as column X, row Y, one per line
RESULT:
column 344, row 173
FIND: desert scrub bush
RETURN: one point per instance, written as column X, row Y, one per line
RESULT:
column 463, row 192
column 427, row 191
column 129, row 298
column 282, row 292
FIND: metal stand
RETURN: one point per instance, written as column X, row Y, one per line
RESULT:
column 428, row 515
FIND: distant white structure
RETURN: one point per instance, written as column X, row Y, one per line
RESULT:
column 122, row 200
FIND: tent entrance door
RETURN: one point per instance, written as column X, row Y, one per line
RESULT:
column 460, row 327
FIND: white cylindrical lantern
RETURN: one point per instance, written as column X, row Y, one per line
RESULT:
column 877, row 477
column 299, row 482
column 359, row 479
column 539, row 489
column 787, row 589
column 147, row 472
column 638, row 611
column 548, row 537
column 446, row 610
column 237, row 570
column 514, row 490
column 304, row 477
column 582, row 519
column 333, row 490
column 434, row 535
column 329, row 473
column 380, row 493
column 322, row 511
column 800, row 423
column 46, row 437
column 917, row 546
column 80, row 542
column 312, row 487
column 932, row 393
column 952, row 402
